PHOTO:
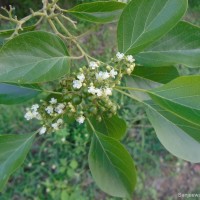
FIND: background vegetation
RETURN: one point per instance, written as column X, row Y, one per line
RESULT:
column 57, row 168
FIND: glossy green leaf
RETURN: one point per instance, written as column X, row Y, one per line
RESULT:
column 156, row 74
column 148, row 78
column 14, row 94
column 180, row 46
column 114, row 127
column 33, row 57
column 178, row 136
column 7, row 33
column 144, row 21
column 112, row 166
column 99, row 12
column 13, row 150
column 181, row 97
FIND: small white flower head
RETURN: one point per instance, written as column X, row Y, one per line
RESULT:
column 113, row 73
column 49, row 110
column 99, row 92
column 48, row 190
column 93, row 65
column 55, row 126
column 106, row 75
column 108, row 91
column 63, row 139
column 77, row 84
column 35, row 107
column 53, row 167
column 36, row 115
column 30, row 165
column 59, row 121
column 60, row 108
column 119, row 56
column 53, row 101
column 92, row 90
column 28, row 115
column 80, row 119
column 130, row 58
column 81, row 77
column 102, row 75
column 43, row 130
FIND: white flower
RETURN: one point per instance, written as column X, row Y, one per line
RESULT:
column 130, row 58
column 60, row 108
column 43, row 130
column 119, row 56
column 106, row 75
column 55, row 126
column 113, row 73
column 36, row 115
column 53, row 167
column 81, row 77
column 32, row 113
column 59, row 121
column 108, row 91
column 92, row 90
column 80, row 119
column 35, row 107
column 93, row 65
column 99, row 92
column 63, row 139
column 77, row 84
column 29, row 115
column 102, row 75
column 49, row 110
column 53, row 101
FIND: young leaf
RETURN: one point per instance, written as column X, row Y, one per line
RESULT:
column 13, row 150
column 112, row 166
column 33, row 57
column 148, row 78
column 180, row 46
column 114, row 127
column 181, row 97
column 14, row 94
column 178, row 136
column 144, row 21
column 99, row 12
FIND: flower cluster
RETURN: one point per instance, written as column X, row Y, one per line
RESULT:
column 85, row 94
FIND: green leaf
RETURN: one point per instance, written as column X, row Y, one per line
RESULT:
column 156, row 74
column 180, row 46
column 178, row 136
column 7, row 33
column 148, row 78
column 99, row 12
column 114, row 127
column 14, row 94
column 33, row 57
column 180, row 97
column 144, row 21
column 13, row 150
column 112, row 166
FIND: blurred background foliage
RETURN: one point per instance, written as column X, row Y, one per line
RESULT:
column 57, row 168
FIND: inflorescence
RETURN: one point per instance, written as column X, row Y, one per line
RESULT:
column 84, row 95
